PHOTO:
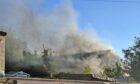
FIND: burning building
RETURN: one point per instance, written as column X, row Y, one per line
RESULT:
column 57, row 30
column 2, row 53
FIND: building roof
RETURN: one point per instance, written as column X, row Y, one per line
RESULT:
column 3, row 33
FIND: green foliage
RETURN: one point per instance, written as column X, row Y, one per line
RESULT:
column 131, row 80
column 87, row 70
column 119, row 71
column 132, row 58
column 112, row 71
column 109, row 71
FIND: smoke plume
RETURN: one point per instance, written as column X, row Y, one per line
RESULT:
column 29, row 28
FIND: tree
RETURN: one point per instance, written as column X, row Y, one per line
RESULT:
column 112, row 71
column 87, row 70
column 109, row 71
column 132, row 58
column 46, row 59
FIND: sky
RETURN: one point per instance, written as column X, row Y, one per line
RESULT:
column 116, row 23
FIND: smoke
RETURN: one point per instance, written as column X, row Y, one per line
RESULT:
column 29, row 28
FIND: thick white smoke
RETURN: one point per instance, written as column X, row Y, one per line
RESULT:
column 56, row 29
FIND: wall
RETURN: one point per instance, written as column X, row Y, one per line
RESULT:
column 2, row 54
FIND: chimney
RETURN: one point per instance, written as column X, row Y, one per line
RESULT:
column 2, row 53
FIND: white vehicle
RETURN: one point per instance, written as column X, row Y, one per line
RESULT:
column 17, row 74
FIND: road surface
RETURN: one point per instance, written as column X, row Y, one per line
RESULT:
column 57, row 81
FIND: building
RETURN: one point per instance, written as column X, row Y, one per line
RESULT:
column 2, row 53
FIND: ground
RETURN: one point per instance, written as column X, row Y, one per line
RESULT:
column 50, row 81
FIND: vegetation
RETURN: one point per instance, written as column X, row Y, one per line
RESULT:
column 46, row 59
column 87, row 70
column 131, row 80
column 132, row 59
column 113, row 71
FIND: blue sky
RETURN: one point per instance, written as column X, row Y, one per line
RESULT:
column 115, row 22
